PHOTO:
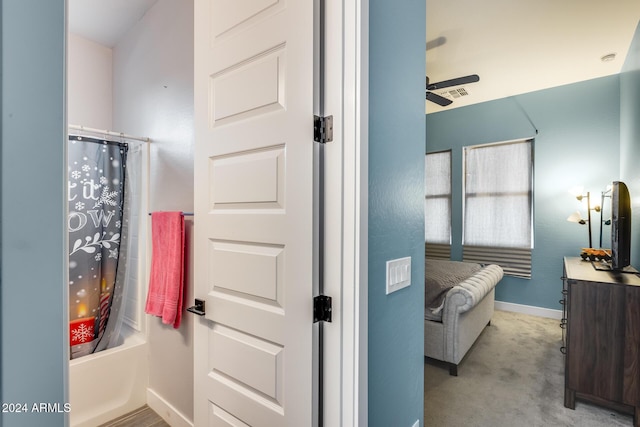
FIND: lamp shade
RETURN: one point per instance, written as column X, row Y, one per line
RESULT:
column 577, row 191
column 576, row 217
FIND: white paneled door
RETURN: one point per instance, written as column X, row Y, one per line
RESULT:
column 254, row 93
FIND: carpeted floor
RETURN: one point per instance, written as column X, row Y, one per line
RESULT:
column 512, row 376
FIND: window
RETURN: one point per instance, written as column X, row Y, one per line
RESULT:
column 498, row 205
column 437, row 205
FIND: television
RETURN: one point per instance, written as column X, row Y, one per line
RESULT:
column 620, row 228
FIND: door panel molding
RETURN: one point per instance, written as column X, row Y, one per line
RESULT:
column 254, row 213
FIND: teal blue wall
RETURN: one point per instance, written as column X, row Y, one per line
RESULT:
column 396, row 220
column 577, row 144
column 34, row 330
column 630, row 137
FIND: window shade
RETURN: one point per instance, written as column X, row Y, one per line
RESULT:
column 437, row 251
column 437, row 202
column 498, row 197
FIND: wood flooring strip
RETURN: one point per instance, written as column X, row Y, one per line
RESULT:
column 141, row 417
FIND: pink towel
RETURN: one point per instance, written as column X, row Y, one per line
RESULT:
column 164, row 298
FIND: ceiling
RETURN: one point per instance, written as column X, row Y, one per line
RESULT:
column 105, row 21
column 527, row 45
column 514, row 46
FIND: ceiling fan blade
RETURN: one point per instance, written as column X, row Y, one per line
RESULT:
column 454, row 82
column 436, row 42
column 440, row 100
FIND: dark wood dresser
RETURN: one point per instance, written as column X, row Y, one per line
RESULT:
column 602, row 337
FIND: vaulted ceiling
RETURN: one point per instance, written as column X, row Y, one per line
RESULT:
column 526, row 45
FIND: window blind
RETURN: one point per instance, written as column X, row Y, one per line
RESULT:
column 498, row 203
column 437, row 202
column 437, row 251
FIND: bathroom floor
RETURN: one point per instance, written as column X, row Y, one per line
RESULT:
column 141, row 417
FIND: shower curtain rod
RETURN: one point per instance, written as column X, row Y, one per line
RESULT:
column 108, row 132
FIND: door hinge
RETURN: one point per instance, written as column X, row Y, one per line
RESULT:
column 321, row 309
column 323, row 129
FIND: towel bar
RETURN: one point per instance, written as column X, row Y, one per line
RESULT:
column 183, row 213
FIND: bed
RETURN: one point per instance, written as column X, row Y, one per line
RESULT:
column 459, row 299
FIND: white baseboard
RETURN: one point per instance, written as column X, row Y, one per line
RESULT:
column 171, row 415
column 528, row 309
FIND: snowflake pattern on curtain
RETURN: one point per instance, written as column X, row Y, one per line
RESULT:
column 96, row 175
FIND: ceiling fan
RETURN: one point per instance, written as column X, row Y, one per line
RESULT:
column 440, row 100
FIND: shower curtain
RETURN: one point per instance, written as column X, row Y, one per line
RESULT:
column 97, row 226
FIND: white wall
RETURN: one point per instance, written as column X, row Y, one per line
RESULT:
column 153, row 96
column 89, row 78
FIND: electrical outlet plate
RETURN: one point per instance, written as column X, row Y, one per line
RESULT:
column 398, row 274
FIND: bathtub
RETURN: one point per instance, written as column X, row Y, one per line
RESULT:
column 108, row 384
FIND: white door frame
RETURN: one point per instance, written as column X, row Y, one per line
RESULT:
column 346, row 197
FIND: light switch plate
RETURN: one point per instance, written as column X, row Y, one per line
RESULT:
column 398, row 274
